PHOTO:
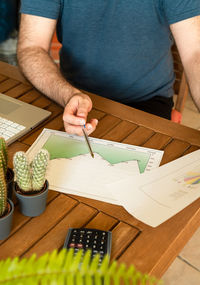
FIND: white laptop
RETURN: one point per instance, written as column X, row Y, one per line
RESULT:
column 17, row 118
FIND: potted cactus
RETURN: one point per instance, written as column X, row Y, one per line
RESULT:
column 6, row 205
column 31, row 187
column 8, row 172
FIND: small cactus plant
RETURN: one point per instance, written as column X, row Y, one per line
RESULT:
column 3, row 191
column 30, row 176
column 3, row 171
column 6, row 205
column 4, row 155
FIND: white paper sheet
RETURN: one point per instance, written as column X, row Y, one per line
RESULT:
column 85, row 176
column 153, row 197
column 72, row 170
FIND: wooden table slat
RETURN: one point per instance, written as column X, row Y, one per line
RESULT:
column 19, row 220
column 2, row 77
column 102, row 222
column 139, row 136
column 12, row 72
column 174, row 150
column 55, row 238
column 42, row 102
column 105, row 125
column 95, row 114
column 30, row 96
column 123, row 236
column 37, row 227
column 150, row 251
column 158, row 141
column 114, row 211
column 18, row 90
column 8, row 84
column 120, row 132
column 147, row 120
column 191, row 149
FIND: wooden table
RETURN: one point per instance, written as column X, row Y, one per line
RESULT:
column 151, row 250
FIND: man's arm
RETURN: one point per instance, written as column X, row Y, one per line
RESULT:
column 187, row 37
column 33, row 56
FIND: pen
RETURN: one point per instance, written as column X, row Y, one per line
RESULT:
column 87, row 141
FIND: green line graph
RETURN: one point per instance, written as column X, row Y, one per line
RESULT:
column 67, row 147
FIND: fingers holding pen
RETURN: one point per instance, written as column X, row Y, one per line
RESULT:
column 75, row 115
column 91, row 126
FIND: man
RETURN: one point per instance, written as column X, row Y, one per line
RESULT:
column 117, row 49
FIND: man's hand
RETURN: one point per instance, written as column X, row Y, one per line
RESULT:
column 33, row 46
column 75, row 115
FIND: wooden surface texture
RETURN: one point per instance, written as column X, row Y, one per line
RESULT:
column 151, row 250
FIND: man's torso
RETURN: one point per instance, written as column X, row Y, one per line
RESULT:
column 117, row 49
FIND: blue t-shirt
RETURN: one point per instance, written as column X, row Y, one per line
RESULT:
column 117, row 49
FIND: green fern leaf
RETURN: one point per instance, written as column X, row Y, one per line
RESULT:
column 64, row 268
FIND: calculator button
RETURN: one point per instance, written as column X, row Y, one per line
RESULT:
column 79, row 245
column 72, row 245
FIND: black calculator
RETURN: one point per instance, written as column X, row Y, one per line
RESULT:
column 96, row 240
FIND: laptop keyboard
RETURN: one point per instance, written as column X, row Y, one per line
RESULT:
column 8, row 129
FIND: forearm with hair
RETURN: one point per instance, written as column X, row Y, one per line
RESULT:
column 43, row 73
column 192, row 70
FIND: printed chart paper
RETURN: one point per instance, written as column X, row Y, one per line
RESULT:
column 156, row 196
column 72, row 170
